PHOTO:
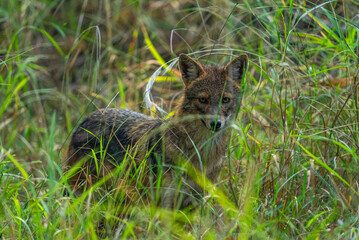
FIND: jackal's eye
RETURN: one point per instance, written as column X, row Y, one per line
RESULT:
column 203, row 100
column 226, row 100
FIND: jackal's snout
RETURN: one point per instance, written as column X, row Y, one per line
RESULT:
column 215, row 124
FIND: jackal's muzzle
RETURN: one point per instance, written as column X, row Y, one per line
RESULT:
column 214, row 124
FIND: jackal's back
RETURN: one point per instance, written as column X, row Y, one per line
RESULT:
column 110, row 129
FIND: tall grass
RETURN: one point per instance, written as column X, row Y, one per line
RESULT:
column 291, row 169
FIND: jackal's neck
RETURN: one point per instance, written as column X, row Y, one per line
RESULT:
column 179, row 111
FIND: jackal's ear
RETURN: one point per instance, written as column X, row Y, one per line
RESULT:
column 237, row 68
column 190, row 69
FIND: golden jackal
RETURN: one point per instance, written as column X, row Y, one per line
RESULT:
column 197, row 133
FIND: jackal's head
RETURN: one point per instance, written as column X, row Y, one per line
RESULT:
column 211, row 92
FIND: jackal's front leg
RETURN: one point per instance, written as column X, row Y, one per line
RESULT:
column 179, row 191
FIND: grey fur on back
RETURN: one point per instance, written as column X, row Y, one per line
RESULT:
column 112, row 127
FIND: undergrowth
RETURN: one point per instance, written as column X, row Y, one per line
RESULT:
column 291, row 168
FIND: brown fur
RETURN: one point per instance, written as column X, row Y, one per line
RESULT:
column 197, row 132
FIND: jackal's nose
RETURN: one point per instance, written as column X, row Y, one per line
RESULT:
column 215, row 125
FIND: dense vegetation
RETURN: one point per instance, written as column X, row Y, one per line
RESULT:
column 292, row 165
